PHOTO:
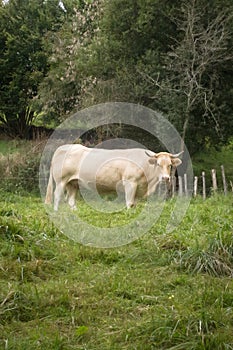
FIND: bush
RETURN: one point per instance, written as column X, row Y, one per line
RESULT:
column 19, row 171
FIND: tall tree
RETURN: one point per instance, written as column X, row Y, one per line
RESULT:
column 23, row 60
column 193, row 62
column 68, row 50
column 170, row 55
column 94, row 55
column 130, row 32
column 188, row 87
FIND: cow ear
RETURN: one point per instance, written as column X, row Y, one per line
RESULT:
column 176, row 162
column 152, row 160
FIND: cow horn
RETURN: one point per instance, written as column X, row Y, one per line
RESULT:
column 176, row 155
column 151, row 155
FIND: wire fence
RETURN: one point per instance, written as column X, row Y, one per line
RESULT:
column 215, row 184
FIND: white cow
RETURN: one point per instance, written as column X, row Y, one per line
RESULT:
column 136, row 172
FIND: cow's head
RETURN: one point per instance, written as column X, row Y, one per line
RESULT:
column 164, row 162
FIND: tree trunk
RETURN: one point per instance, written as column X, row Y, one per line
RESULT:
column 184, row 131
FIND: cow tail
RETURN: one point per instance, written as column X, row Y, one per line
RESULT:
column 49, row 192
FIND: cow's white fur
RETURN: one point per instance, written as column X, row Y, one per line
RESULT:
column 136, row 172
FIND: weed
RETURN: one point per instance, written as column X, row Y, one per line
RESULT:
column 216, row 259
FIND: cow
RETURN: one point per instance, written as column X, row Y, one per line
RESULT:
column 136, row 172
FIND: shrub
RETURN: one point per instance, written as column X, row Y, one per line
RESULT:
column 19, row 171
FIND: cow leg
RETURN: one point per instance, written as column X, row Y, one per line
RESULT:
column 130, row 192
column 58, row 193
column 71, row 195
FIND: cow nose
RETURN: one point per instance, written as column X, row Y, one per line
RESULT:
column 165, row 178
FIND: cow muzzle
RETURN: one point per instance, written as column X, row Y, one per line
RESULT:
column 165, row 178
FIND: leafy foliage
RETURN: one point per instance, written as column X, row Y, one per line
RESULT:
column 175, row 56
column 170, row 57
column 60, row 91
column 23, row 60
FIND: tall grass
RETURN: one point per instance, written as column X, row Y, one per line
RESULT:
column 19, row 165
column 164, row 291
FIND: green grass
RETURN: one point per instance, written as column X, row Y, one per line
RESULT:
column 11, row 146
column 8, row 146
column 163, row 291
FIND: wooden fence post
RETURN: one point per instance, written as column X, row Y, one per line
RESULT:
column 214, row 180
column 180, row 186
column 185, row 184
column 195, row 186
column 224, row 180
column 203, row 185
column 226, row 186
column 231, row 183
column 173, row 185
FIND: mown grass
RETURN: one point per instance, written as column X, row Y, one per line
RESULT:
column 163, row 291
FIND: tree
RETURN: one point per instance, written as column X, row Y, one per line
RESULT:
column 93, row 56
column 193, row 67
column 129, row 32
column 23, row 60
column 175, row 56
column 172, row 56
column 68, row 51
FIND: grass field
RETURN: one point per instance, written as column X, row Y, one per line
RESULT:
column 163, row 291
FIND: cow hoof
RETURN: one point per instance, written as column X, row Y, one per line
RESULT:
column 130, row 205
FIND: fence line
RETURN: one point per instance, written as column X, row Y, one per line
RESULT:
column 214, row 180
column 224, row 180
column 179, row 184
column 195, row 186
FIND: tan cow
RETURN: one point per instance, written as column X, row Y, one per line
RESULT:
column 135, row 172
